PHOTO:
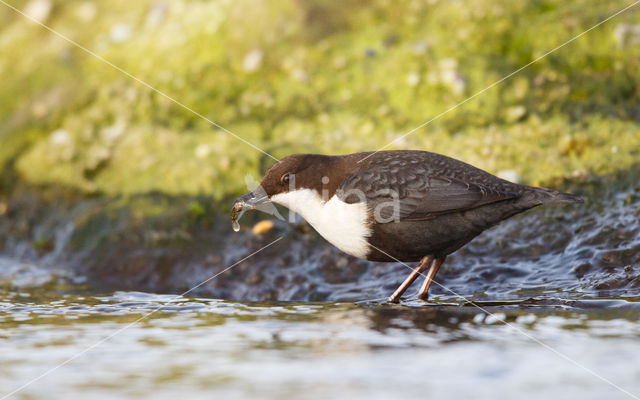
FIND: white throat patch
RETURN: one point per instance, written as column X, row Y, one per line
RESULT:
column 341, row 224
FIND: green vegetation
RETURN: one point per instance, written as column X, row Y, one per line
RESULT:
column 311, row 76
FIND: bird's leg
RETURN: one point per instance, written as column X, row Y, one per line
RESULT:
column 424, row 263
column 424, row 290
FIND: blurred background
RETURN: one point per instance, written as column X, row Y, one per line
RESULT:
column 114, row 195
column 310, row 76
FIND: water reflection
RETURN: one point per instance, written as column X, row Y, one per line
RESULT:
column 205, row 347
column 435, row 319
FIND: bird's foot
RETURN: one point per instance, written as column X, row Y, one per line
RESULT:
column 393, row 299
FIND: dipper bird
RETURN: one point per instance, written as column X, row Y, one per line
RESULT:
column 404, row 205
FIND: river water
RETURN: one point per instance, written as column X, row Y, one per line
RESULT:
column 546, row 304
column 141, row 345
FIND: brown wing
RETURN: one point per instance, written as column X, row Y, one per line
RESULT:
column 408, row 192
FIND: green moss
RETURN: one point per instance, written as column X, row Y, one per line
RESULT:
column 43, row 244
column 313, row 76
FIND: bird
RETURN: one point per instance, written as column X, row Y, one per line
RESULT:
column 396, row 206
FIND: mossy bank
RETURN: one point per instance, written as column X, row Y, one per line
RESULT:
column 317, row 76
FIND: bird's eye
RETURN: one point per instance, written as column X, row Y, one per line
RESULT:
column 285, row 179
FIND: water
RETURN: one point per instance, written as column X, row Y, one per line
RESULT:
column 203, row 348
column 546, row 304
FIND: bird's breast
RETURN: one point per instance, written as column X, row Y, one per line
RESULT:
column 344, row 225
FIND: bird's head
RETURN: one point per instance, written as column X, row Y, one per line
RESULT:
column 294, row 172
column 314, row 174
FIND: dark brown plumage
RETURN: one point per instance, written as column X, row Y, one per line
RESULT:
column 444, row 203
column 420, row 205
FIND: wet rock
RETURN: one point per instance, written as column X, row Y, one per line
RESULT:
column 582, row 269
column 254, row 279
column 620, row 278
column 44, row 245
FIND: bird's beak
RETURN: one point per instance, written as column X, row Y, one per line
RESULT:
column 257, row 199
column 249, row 201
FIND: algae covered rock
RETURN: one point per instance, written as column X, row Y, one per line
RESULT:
column 312, row 76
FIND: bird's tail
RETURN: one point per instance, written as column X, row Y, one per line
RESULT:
column 548, row 196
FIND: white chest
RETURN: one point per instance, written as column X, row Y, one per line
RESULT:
column 343, row 225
